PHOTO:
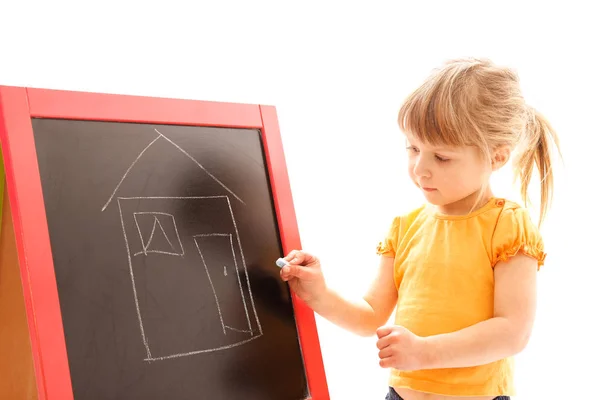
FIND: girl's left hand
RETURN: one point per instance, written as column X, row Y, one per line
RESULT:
column 400, row 349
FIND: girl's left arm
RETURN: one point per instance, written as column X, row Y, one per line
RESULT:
column 504, row 335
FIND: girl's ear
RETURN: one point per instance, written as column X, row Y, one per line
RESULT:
column 500, row 157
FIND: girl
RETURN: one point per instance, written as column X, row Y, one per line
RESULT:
column 460, row 270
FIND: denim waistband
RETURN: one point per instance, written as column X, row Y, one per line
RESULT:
column 392, row 395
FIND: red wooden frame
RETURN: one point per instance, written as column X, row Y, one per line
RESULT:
column 18, row 105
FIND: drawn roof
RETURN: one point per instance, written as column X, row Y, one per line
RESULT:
column 163, row 137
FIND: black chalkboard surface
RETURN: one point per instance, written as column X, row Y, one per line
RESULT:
column 163, row 241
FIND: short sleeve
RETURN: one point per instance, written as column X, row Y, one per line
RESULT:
column 387, row 247
column 515, row 232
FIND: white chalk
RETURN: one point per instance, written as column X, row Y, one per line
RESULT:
column 281, row 262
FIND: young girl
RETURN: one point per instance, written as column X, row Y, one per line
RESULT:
column 460, row 270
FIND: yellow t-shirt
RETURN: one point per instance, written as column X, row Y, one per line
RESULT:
column 444, row 273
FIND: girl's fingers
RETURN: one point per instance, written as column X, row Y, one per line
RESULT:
column 294, row 271
column 299, row 257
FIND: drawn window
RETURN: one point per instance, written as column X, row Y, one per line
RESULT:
column 158, row 233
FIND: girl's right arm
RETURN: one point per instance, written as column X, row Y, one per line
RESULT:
column 362, row 316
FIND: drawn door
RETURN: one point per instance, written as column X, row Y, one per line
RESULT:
column 218, row 259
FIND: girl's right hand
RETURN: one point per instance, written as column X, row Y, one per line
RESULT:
column 304, row 276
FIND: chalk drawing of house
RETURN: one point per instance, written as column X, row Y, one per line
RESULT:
column 187, row 267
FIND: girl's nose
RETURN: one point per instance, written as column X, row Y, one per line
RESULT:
column 421, row 168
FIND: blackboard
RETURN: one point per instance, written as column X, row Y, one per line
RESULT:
column 163, row 240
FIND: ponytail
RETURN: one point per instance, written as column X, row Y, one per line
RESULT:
column 538, row 137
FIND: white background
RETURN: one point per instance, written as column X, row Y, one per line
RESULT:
column 337, row 73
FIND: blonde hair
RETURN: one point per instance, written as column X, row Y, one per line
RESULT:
column 472, row 102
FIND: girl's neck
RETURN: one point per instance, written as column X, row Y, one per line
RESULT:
column 467, row 204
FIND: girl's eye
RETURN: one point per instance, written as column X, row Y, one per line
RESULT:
column 414, row 149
